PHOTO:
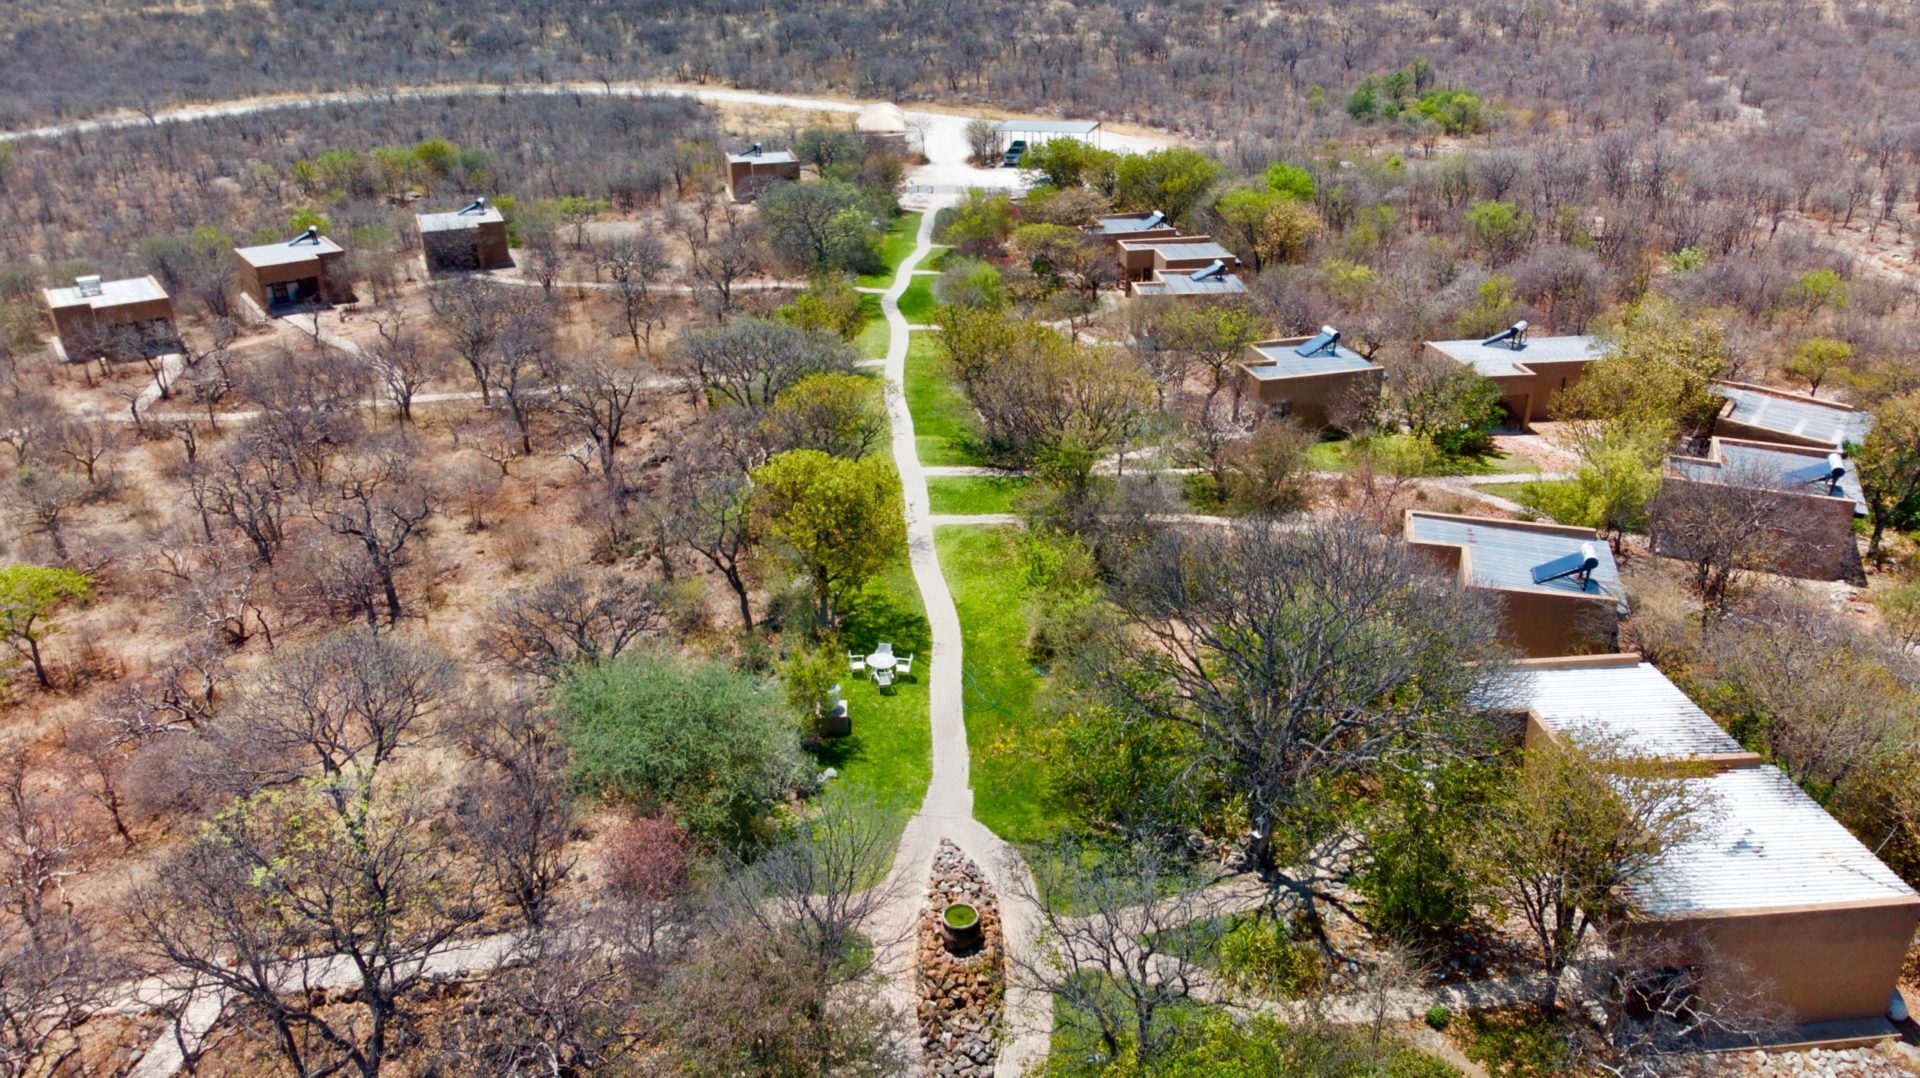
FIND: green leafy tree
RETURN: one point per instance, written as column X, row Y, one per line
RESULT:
column 1457, row 112
column 1265, row 226
column 1173, row 180
column 829, row 305
column 1499, row 230
column 1619, row 474
column 1068, row 162
column 1558, row 846
column 1417, row 876
column 716, row 748
column 829, row 149
column 1818, row 290
column 29, row 597
column 967, row 282
column 1817, row 360
column 1291, row 181
column 576, row 211
column 1494, row 303
column 980, row 224
column 1656, row 375
column 301, row 220
column 823, row 225
column 840, row 520
column 839, row 414
column 1888, row 460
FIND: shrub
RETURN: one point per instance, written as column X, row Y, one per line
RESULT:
column 1438, row 1016
column 718, row 746
column 1260, row 955
column 1518, row 1044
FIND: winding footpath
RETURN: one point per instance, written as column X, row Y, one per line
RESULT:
column 947, row 811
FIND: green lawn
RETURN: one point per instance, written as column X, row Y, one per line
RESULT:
column 1004, row 736
column 889, row 756
column 973, row 494
column 917, row 301
column 893, row 250
column 1337, row 456
column 872, row 342
column 943, row 423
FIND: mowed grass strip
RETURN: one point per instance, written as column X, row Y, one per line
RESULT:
column 1007, row 740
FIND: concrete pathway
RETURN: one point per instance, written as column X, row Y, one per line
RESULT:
column 947, row 811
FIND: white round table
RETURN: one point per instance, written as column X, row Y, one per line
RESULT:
column 882, row 660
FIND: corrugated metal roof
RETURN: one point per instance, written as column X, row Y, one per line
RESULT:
column 455, row 220
column 1502, row 555
column 1281, row 361
column 1801, row 417
column 1749, row 462
column 286, row 252
column 112, row 294
column 1633, row 705
column 1494, row 360
column 1179, row 284
column 1049, row 127
column 1765, row 844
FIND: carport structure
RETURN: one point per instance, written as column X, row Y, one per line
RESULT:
column 1035, row 132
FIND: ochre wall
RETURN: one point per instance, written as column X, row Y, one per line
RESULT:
column 1814, row 965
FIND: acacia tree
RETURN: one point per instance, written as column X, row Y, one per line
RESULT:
column 841, row 521
column 1722, row 531
column 635, row 266
column 515, row 806
column 708, row 509
column 1576, row 826
column 29, row 596
column 748, row 362
column 574, row 616
column 1300, row 659
column 342, row 883
column 379, row 506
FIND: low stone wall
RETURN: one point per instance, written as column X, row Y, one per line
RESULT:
column 960, row 995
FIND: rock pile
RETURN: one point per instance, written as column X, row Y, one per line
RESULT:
column 960, row 995
column 1894, row 1060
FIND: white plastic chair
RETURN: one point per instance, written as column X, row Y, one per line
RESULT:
column 856, row 663
column 884, row 649
column 904, row 666
column 883, row 678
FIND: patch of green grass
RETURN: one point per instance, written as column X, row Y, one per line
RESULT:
column 1533, row 494
column 937, row 259
column 975, row 494
column 917, row 301
column 1004, row 736
column 944, row 427
column 894, row 249
column 872, row 342
column 888, row 758
column 1337, row 456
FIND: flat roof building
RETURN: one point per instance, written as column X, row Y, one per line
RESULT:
column 1152, row 225
column 755, row 168
column 1558, row 586
column 121, row 319
column 1811, row 497
column 1763, row 414
column 1773, row 897
column 1315, row 380
column 1140, row 259
column 1214, row 279
column 1624, row 703
column 1530, row 371
column 473, row 237
column 300, row 272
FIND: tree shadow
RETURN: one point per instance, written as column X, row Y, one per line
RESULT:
column 877, row 615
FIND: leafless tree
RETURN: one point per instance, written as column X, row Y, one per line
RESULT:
column 1118, row 942
column 379, row 505
column 401, row 360
column 489, row 324
column 708, row 509
column 1724, row 529
column 249, row 486
column 751, row 360
column 285, row 900
column 635, row 266
column 724, row 263
column 596, row 399
column 574, row 616
column 515, row 806
column 348, row 701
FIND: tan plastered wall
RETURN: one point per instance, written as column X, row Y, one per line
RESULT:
column 1314, row 398
column 1544, row 624
column 1811, row 965
column 1812, row 536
